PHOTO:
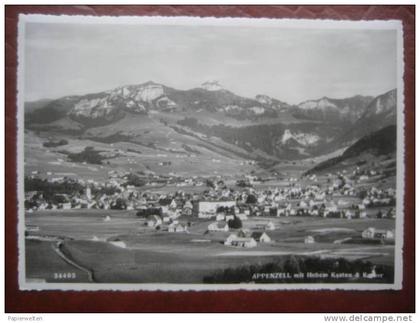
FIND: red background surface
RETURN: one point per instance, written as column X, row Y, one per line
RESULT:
column 229, row 301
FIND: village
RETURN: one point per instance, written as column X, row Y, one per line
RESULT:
column 228, row 204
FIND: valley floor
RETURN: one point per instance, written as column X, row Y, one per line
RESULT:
column 144, row 255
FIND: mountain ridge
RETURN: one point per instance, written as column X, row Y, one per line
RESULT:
column 261, row 124
column 380, row 142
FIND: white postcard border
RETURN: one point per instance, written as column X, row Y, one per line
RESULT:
column 206, row 21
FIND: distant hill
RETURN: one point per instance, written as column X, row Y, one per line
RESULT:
column 107, row 107
column 381, row 142
column 262, row 126
column 346, row 110
column 30, row 107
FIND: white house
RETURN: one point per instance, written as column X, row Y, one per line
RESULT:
column 261, row 237
column 343, row 203
column 218, row 226
column 303, row 204
column 369, row 233
column 361, row 207
column 235, row 241
column 230, row 238
column 176, row 227
column 372, row 233
column 309, row 240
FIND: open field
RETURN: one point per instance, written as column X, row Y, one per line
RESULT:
column 145, row 152
column 44, row 264
column 158, row 256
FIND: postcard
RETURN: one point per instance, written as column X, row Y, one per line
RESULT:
column 187, row 153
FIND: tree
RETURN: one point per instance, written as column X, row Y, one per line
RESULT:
column 362, row 194
column 210, row 183
column 119, row 205
column 235, row 223
column 251, row 199
column 133, row 179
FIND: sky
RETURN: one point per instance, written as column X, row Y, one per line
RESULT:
column 292, row 65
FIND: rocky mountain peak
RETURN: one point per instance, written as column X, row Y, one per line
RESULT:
column 211, row 86
column 263, row 99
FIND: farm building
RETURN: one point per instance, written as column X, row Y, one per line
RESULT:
column 176, row 227
column 372, row 233
column 243, row 242
column 231, row 237
column 309, row 240
column 261, row 237
column 218, row 226
column 302, row 204
column 66, row 206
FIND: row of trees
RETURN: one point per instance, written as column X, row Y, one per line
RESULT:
column 50, row 189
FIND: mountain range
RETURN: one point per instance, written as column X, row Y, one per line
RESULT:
column 262, row 128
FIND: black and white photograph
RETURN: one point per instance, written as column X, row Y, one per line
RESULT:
column 186, row 153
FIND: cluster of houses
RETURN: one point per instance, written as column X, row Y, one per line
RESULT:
column 340, row 199
column 162, row 211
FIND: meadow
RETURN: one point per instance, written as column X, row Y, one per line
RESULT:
column 149, row 255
